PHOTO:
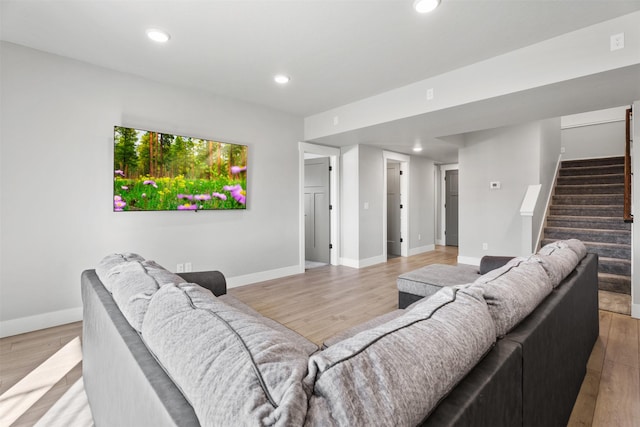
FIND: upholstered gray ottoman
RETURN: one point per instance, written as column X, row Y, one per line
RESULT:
column 426, row 281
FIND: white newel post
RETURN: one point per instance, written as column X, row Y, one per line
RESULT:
column 526, row 212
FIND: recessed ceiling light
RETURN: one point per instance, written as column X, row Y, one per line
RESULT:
column 417, row 149
column 282, row 79
column 425, row 6
column 159, row 36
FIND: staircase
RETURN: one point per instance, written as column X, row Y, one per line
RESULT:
column 588, row 205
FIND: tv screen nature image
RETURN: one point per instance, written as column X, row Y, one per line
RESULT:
column 156, row 171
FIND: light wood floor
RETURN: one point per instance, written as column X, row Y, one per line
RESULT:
column 327, row 300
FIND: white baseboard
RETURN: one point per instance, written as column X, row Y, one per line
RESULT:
column 348, row 262
column 261, row 276
column 440, row 242
column 372, row 261
column 469, row 260
column 422, row 249
column 361, row 263
column 635, row 311
column 39, row 321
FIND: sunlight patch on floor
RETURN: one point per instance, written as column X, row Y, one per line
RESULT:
column 19, row 398
column 70, row 409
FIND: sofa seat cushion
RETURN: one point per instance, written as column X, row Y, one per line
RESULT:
column 396, row 373
column 231, row 367
column 304, row 344
column 428, row 280
column 513, row 291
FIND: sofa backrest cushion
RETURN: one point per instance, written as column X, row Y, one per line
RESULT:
column 561, row 257
column 104, row 267
column 395, row 373
column 132, row 283
column 233, row 369
column 513, row 291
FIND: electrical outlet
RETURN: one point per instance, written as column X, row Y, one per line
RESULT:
column 180, row 268
column 617, row 41
column 336, row 120
column 187, row 267
column 485, row 246
column 495, row 185
column 419, row 237
column 562, row 150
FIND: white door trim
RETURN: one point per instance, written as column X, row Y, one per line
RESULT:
column 404, row 200
column 334, row 188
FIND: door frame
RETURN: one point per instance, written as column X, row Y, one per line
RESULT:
column 443, row 192
column 404, row 161
column 334, row 185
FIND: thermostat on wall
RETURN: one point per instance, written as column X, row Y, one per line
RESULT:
column 494, row 185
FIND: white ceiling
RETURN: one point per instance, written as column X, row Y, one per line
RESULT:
column 336, row 51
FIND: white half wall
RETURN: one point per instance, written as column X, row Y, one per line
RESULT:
column 56, row 172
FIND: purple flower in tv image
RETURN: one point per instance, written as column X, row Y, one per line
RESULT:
column 124, row 187
column 150, row 182
column 237, row 193
column 185, row 196
column 119, row 172
column 202, row 197
column 237, row 169
column 219, row 196
column 187, row 207
column 118, row 204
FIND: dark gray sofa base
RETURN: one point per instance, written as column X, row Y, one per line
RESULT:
column 405, row 299
column 538, row 382
column 490, row 395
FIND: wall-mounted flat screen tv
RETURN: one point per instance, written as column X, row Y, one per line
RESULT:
column 155, row 171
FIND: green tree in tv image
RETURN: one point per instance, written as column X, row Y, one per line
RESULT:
column 156, row 171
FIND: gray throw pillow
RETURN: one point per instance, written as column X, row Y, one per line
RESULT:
column 514, row 291
column 233, row 369
column 396, row 373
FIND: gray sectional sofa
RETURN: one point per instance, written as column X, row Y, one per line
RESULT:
column 509, row 349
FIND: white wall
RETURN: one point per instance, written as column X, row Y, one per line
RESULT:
column 512, row 156
column 57, row 118
column 362, row 181
column 371, row 170
column 423, row 205
column 594, row 134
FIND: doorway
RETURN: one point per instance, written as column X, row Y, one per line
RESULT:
column 316, row 211
column 332, row 154
column 393, row 209
column 451, row 207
